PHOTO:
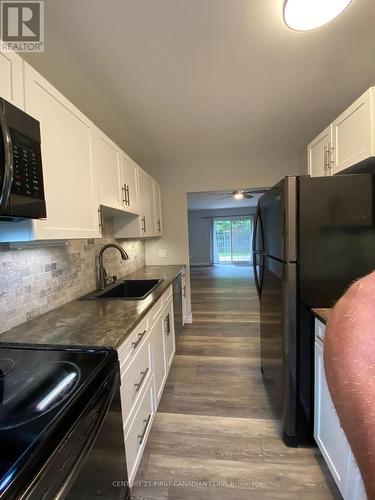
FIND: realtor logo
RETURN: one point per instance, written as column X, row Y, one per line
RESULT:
column 22, row 26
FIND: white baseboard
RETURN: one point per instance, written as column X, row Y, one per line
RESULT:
column 188, row 318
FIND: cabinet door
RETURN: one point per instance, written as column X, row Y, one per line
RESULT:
column 106, row 162
column 184, row 307
column 169, row 335
column 327, row 430
column 355, row 488
column 158, row 357
column 318, row 154
column 72, row 204
column 157, row 208
column 129, row 184
column 352, row 133
column 11, row 78
column 146, row 190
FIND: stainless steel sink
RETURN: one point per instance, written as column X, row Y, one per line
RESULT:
column 126, row 290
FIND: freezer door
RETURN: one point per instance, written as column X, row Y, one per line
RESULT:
column 278, row 341
column 337, row 235
column 278, row 211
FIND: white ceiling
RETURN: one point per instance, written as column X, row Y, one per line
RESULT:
column 213, row 200
column 201, row 80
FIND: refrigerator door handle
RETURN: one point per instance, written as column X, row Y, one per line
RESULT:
column 258, row 278
column 257, row 220
column 258, row 251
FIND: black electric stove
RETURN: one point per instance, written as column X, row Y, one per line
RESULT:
column 53, row 402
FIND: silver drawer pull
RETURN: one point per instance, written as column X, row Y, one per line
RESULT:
column 139, row 384
column 140, row 337
column 142, row 436
column 167, row 324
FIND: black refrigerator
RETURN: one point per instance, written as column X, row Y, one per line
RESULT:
column 313, row 236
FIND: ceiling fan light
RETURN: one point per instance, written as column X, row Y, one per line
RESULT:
column 303, row 15
column 238, row 195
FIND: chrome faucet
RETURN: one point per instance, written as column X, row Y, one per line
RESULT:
column 103, row 277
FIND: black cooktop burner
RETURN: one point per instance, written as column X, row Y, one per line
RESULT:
column 40, row 391
column 6, row 365
column 30, row 393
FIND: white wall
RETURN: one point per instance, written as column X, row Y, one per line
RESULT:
column 200, row 228
column 263, row 169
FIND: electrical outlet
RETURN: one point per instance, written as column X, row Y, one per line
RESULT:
column 162, row 253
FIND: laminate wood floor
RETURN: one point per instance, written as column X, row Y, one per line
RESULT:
column 214, row 435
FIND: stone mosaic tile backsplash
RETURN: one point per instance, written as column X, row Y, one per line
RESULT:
column 36, row 280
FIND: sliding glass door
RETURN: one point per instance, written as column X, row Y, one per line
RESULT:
column 231, row 238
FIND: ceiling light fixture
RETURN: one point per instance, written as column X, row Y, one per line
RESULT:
column 238, row 195
column 303, row 15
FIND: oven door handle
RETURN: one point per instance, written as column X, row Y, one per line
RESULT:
column 8, row 161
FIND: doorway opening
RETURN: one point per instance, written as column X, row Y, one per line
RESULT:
column 221, row 227
column 232, row 240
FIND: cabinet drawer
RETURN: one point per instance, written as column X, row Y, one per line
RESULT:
column 137, row 432
column 134, row 379
column 133, row 343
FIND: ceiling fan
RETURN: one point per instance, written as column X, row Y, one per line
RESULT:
column 239, row 194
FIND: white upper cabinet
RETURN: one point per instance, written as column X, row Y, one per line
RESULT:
column 318, row 152
column 106, row 161
column 82, row 168
column 157, row 208
column 146, row 189
column 349, row 140
column 129, row 184
column 115, row 176
column 71, row 198
column 144, row 226
column 353, row 133
column 11, row 80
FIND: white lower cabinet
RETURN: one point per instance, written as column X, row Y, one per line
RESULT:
column 158, row 357
column 136, row 376
column 136, row 433
column 169, row 334
column 329, row 434
column 145, row 358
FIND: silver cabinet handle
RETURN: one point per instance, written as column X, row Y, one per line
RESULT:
column 100, row 215
column 167, row 324
column 143, row 224
column 159, row 226
column 8, row 161
column 142, row 436
column 127, row 194
column 123, row 189
column 139, row 384
column 184, row 292
column 325, row 158
column 140, row 337
column 331, row 162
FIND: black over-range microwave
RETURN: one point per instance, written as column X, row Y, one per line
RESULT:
column 21, row 174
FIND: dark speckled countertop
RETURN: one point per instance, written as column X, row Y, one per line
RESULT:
column 101, row 322
column 322, row 314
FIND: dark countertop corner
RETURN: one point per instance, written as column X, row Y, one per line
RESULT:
column 93, row 323
column 321, row 313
